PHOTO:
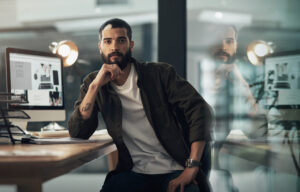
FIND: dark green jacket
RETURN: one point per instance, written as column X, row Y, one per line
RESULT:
column 177, row 113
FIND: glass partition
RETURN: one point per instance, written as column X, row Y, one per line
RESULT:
column 243, row 57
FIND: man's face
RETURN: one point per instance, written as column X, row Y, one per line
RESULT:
column 115, row 46
column 225, row 49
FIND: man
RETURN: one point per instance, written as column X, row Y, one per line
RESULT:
column 156, row 119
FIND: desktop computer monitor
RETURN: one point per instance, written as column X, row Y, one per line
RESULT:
column 39, row 77
column 282, row 80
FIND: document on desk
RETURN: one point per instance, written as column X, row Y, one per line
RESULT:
column 98, row 136
column 33, row 153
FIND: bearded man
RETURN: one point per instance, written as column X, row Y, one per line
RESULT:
column 158, row 121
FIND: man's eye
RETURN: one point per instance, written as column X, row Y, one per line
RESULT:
column 121, row 40
column 107, row 41
column 229, row 41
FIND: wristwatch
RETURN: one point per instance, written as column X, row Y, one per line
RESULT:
column 192, row 163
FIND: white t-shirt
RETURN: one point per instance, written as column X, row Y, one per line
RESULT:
column 148, row 155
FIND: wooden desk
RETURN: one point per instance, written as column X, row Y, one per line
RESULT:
column 28, row 172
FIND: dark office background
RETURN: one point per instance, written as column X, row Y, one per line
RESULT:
column 173, row 31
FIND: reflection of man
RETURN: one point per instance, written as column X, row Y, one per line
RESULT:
column 158, row 122
column 226, row 75
column 224, row 53
column 226, row 45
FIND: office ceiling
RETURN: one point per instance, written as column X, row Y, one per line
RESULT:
column 269, row 20
column 33, row 24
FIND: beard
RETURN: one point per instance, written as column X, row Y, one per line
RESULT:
column 125, row 59
column 230, row 59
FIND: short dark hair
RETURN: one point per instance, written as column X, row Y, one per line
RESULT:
column 235, row 31
column 116, row 23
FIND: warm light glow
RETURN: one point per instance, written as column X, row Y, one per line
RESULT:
column 53, row 47
column 72, row 58
column 64, row 50
column 252, row 58
column 258, row 50
column 67, row 49
column 261, row 49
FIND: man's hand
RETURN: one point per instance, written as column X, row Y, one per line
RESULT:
column 108, row 72
column 185, row 178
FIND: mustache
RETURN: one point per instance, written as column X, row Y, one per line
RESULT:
column 222, row 53
column 116, row 53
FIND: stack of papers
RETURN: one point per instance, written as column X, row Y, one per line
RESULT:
column 62, row 137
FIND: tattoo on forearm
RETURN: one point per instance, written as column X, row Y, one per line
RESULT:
column 86, row 107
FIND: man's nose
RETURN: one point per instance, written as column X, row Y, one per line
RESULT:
column 115, row 46
column 223, row 45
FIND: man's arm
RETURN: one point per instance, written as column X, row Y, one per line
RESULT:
column 197, row 113
column 107, row 73
column 88, row 102
column 197, row 148
column 189, row 174
column 198, row 116
column 84, row 121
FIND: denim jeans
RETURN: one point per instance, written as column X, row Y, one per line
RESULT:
column 135, row 182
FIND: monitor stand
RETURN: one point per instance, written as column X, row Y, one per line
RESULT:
column 53, row 126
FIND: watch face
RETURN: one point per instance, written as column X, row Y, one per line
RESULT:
column 191, row 163
column 188, row 163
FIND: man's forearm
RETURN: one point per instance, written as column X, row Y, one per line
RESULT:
column 197, row 148
column 189, row 173
column 87, row 104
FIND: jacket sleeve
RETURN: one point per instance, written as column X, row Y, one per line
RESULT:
column 79, row 127
column 193, row 108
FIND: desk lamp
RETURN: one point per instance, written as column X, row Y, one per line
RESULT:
column 67, row 49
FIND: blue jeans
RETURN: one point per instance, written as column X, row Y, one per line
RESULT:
column 135, row 182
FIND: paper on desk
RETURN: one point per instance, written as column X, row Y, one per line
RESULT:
column 30, row 153
column 99, row 136
column 101, row 132
column 61, row 133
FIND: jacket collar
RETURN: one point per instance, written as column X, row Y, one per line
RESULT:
column 139, row 71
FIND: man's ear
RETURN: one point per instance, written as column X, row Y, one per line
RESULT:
column 131, row 45
column 236, row 47
column 99, row 47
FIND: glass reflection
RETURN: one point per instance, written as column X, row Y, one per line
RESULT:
column 257, row 107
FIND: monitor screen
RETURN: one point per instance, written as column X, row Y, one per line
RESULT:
column 282, row 79
column 38, row 76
